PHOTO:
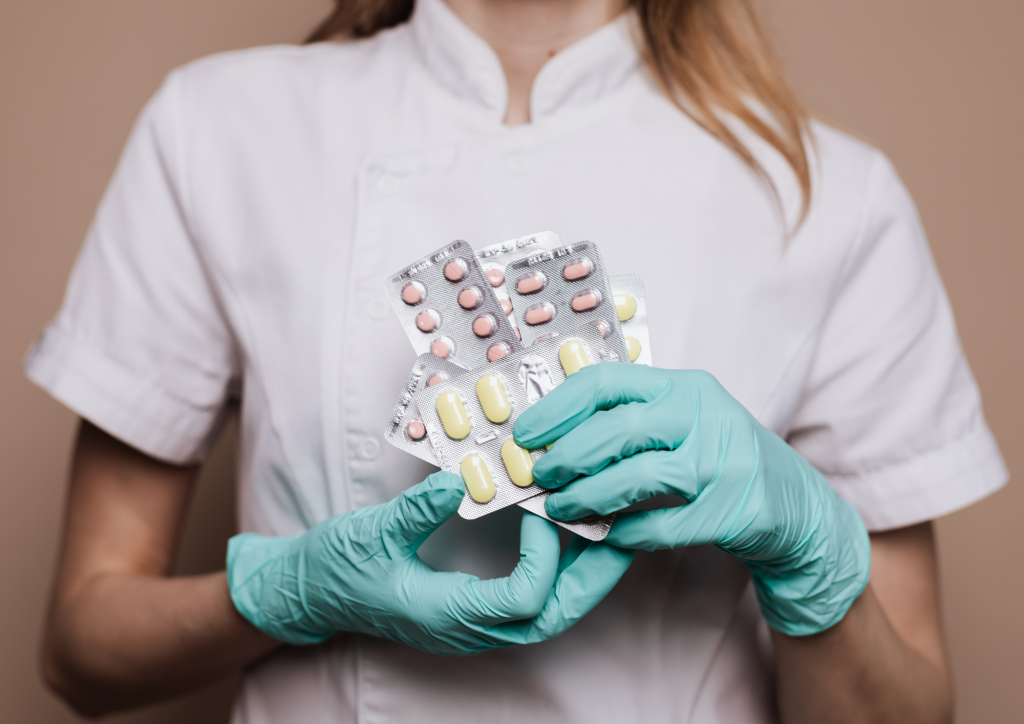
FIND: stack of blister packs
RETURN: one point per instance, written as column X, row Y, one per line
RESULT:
column 496, row 330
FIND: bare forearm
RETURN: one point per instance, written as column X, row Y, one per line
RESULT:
column 859, row 671
column 122, row 640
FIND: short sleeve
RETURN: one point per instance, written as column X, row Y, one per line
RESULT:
column 891, row 413
column 141, row 347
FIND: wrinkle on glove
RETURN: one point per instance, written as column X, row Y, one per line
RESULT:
column 359, row 572
column 627, row 433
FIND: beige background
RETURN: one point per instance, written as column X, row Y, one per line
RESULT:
column 937, row 84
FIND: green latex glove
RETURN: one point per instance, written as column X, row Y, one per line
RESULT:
column 635, row 432
column 360, row 572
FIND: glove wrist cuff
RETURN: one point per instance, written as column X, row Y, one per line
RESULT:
column 811, row 591
column 256, row 565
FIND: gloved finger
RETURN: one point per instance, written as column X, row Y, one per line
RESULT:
column 578, row 589
column 577, row 544
column 597, row 387
column 654, row 530
column 523, row 593
column 420, row 510
column 616, row 487
column 615, row 434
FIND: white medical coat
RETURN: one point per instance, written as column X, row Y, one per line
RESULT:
column 242, row 248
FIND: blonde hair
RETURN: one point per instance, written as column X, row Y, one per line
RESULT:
column 711, row 58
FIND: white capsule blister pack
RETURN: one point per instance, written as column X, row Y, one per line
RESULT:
column 631, row 309
column 469, row 422
column 448, row 308
column 405, row 429
column 556, row 291
column 495, row 258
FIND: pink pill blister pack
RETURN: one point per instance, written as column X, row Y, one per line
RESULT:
column 495, row 259
column 405, row 429
column 469, row 422
column 557, row 290
column 448, row 308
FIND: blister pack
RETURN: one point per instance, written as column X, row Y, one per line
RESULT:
column 448, row 308
column 495, row 258
column 593, row 527
column 469, row 419
column 556, row 291
column 405, row 429
column 631, row 309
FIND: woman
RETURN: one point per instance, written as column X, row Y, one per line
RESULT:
column 240, row 252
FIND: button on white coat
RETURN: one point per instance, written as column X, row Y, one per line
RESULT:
column 518, row 163
column 369, row 448
column 387, row 184
column 377, row 308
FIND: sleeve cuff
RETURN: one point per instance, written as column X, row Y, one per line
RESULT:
column 928, row 486
column 119, row 401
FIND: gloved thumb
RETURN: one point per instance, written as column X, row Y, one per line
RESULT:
column 420, row 510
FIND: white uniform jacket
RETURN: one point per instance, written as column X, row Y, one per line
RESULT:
column 242, row 248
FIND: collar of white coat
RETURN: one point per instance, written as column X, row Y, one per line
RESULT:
column 582, row 74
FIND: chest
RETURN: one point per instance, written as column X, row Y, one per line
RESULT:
column 726, row 292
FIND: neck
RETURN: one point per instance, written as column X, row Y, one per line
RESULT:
column 525, row 34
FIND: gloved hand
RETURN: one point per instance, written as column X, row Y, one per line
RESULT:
column 360, row 572
column 636, row 432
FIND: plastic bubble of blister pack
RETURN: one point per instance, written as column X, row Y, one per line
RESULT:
column 405, row 429
column 495, row 259
column 631, row 310
column 555, row 291
column 448, row 308
column 469, row 419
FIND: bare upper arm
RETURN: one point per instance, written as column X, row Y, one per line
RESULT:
column 904, row 578
column 125, row 512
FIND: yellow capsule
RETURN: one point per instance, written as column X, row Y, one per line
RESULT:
column 493, row 399
column 478, row 478
column 453, row 414
column 518, row 463
column 625, row 307
column 573, row 357
column 632, row 349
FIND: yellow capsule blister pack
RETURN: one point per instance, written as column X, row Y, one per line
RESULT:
column 405, row 429
column 631, row 310
column 469, row 422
